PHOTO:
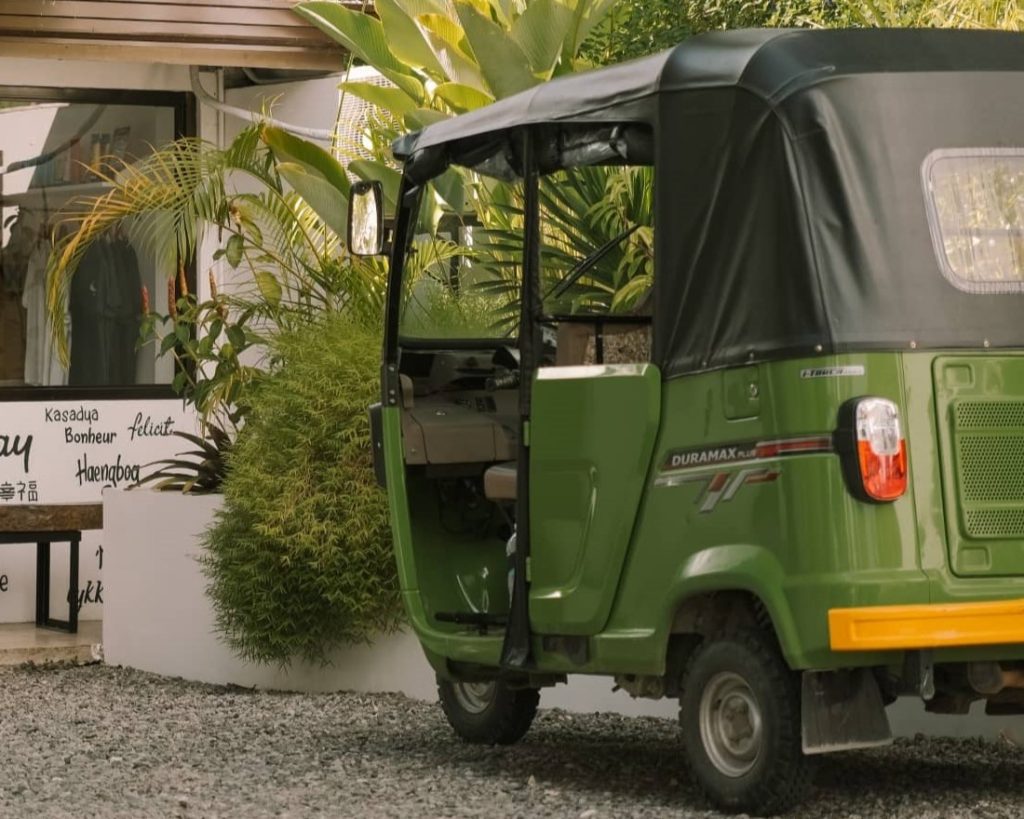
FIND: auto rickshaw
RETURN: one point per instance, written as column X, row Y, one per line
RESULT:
column 804, row 498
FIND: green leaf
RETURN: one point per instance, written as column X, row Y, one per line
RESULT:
column 234, row 250
column 414, row 8
column 444, row 36
column 503, row 9
column 452, row 189
column 422, row 117
column 168, row 342
column 370, row 170
column 235, row 334
column 586, row 15
column 290, row 148
column 405, row 38
column 541, row 32
column 324, row 198
column 502, row 62
column 462, row 97
column 364, row 36
column 393, row 100
column 269, row 289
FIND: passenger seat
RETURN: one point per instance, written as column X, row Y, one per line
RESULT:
column 500, row 482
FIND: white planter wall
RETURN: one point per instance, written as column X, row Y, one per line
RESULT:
column 158, row 618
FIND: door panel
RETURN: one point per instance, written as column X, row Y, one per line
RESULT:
column 592, row 434
column 980, row 405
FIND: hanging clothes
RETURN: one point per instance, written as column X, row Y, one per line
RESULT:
column 105, row 315
column 42, row 367
column 12, row 316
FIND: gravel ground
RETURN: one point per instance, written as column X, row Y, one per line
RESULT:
column 106, row 742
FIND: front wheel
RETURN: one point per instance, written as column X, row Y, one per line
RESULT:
column 488, row 713
column 740, row 713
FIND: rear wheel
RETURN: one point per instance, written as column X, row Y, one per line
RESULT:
column 740, row 713
column 488, row 713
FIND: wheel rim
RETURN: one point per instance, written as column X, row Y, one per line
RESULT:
column 731, row 727
column 474, row 697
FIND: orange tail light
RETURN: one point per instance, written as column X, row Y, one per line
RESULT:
column 880, row 451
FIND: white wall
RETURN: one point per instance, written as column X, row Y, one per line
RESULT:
column 158, row 618
column 309, row 103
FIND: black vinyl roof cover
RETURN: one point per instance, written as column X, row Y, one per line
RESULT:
column 790, row 212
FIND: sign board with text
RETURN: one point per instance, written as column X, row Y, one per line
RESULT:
column 57, row 452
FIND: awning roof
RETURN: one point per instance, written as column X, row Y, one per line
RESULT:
column 244, row 33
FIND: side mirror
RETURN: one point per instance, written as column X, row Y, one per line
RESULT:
column 366, row 219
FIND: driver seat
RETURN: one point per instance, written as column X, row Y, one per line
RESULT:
column 500, row 482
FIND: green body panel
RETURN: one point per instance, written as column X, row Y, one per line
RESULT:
column 802, row 543
column 932, row 474
column 592, row 431
column 433, row 576
column 979, row 405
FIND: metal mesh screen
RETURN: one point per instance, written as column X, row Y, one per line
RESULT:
column 989, row 438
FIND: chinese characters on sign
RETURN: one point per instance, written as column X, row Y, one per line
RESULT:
column 22, row 491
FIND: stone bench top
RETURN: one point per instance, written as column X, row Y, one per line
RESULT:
column 50, row 517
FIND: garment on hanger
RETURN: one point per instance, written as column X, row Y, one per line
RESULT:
column 105, row 315
column 42, row 367
column 15, row 257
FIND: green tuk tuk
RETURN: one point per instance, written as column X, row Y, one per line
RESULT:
column 804, row 497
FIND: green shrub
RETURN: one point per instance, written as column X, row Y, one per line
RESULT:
column 299, row 559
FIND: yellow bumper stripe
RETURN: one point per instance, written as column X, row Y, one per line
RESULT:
column 934, row 625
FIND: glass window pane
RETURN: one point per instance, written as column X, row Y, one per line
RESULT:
column 55, row 154
column 976, row 211
column 462, row 279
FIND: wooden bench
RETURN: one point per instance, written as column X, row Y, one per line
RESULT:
column 43, row 525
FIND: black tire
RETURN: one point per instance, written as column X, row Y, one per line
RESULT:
column 488, row 713
column 740, row 715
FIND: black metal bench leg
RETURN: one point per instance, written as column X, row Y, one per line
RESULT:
column 73, row 591
column 42, row 583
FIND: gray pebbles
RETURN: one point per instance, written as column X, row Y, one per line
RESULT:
column 107, row 742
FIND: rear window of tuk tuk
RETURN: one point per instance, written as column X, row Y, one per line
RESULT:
column 975, row 205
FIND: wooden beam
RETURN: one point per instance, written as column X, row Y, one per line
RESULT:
column 179, row 11
column 217, row 54
column 51, row 517
column 158, row 31
column 243, row 33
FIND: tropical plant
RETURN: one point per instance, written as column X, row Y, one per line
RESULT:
column 199, row 471
column 600, row 214
column 446, row 58
column 277, row 205
column 299, row 559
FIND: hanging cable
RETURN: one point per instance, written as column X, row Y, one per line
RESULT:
column 319, row 134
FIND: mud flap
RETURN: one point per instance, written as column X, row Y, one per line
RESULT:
column 842, row 710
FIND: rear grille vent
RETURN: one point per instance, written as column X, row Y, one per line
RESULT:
column 995, row 522
column 989, row 441
column 982, row 414
column 991, row 467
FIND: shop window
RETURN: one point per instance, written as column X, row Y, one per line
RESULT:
column 53, row 149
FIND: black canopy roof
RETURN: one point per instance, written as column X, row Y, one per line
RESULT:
column 791, row 215
column 771, row 63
